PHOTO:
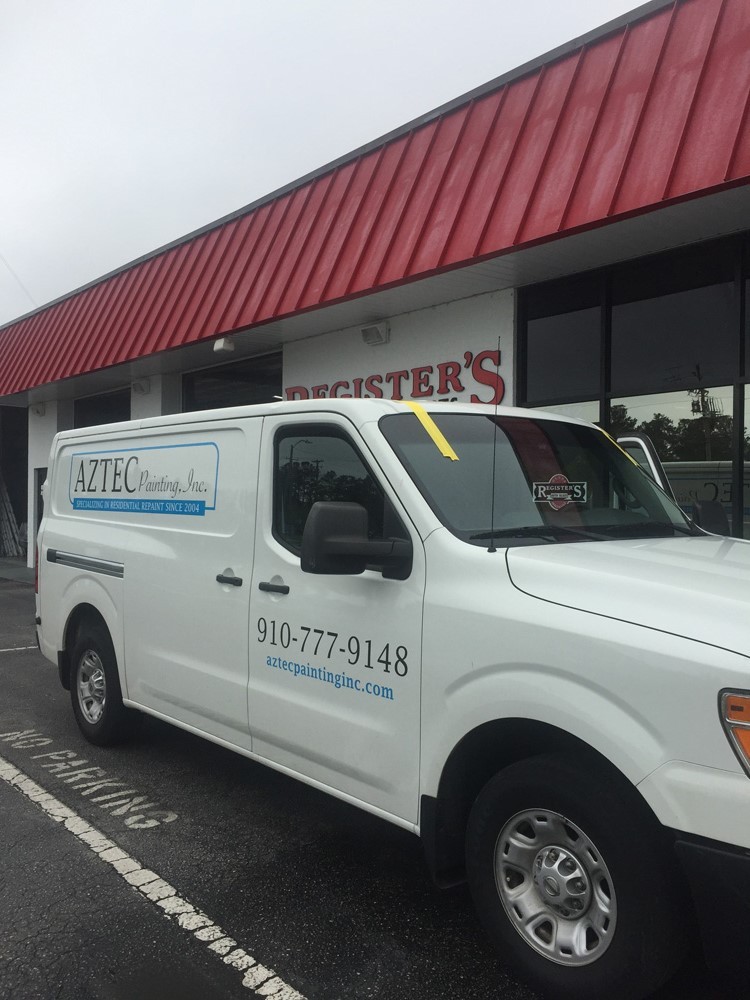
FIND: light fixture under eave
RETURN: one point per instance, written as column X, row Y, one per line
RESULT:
column 376, row 333
column 224, row 345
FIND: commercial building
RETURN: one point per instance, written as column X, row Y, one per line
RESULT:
column 573, row 235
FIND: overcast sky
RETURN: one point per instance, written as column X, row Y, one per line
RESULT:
column 125, row 124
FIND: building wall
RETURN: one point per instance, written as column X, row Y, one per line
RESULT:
column 154, row 396
column 45, row 420
column 442, row 353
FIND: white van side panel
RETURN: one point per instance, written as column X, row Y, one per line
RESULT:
column 335, row 662
column 141, row 524
column 187, row 634
column 617, row 687
column 81, row 562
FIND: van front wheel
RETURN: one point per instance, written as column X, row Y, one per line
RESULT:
column 571, row 880
column 95, row 687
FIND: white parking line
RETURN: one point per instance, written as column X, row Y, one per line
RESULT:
column 262, row 981
column 17, row 649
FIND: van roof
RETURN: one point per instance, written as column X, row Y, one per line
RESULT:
column 359, row 411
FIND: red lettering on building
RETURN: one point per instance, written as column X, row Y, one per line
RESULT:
column 448, row 378
column 490, row 377
column 422, row 381
column 396, row 378
column 372, row 384
column 335, row 394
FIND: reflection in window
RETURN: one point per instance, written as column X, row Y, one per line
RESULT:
column 692, row 433
column 555, row 481
column 583, row 411
column 312, row 466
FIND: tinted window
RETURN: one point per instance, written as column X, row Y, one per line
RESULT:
column 106, row 408
column 241, row 383
column 522, row 481
column 314, row 463
column 563, row 331
column 692, row 434
column 674, row 322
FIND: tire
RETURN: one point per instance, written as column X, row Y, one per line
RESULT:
column 95, row 687
column 574, row 881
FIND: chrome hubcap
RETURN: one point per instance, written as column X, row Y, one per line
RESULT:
column 555, row 887
column 562, row 881
column 92, row 687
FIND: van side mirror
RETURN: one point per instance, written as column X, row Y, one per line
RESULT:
column 641, row 448
column 335, row 541
column 711, row 516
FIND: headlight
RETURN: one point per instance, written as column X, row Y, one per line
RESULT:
column 735, row 717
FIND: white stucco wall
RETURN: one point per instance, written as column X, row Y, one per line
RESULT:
column 45, row 420
column 154, row 396
column 445, row 352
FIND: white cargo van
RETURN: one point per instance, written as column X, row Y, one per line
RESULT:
column 488, row 627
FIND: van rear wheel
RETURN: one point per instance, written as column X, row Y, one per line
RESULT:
column 95, row 687
column 572, row 881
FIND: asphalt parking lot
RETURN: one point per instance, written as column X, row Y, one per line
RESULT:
column 170, row 867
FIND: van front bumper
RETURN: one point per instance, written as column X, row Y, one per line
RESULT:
column 719, row 879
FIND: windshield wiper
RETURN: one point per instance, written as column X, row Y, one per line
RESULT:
column 648, row 529
column 550, row 531
column 603, row 532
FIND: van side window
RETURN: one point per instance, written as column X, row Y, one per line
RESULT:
column 313, row 462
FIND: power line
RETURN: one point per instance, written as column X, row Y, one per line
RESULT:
column 20, row 283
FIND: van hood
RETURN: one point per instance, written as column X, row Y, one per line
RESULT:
column 696, row 587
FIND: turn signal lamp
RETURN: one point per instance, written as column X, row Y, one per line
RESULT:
column 735, row 716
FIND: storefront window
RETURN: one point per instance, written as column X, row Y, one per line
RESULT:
column 106, row 408
column 563, row 324
column 254, row 380
column 692, row 433
column 674, row 321
column 584, row 411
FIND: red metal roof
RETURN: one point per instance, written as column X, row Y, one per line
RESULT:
column 652, row 112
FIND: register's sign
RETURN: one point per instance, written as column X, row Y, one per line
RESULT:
column 454, row 378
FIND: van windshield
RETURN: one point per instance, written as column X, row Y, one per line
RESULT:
column 554, row 481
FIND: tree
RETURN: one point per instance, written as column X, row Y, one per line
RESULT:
column 704, row 438
column 663, row 434
column 620, row 422
column 701, row 438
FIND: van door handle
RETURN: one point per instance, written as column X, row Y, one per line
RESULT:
column 274, row 588
column 233, row 581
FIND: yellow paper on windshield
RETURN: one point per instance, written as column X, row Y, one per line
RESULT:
column 433, row 430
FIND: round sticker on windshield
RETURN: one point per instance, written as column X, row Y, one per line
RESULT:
column 559, row 492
